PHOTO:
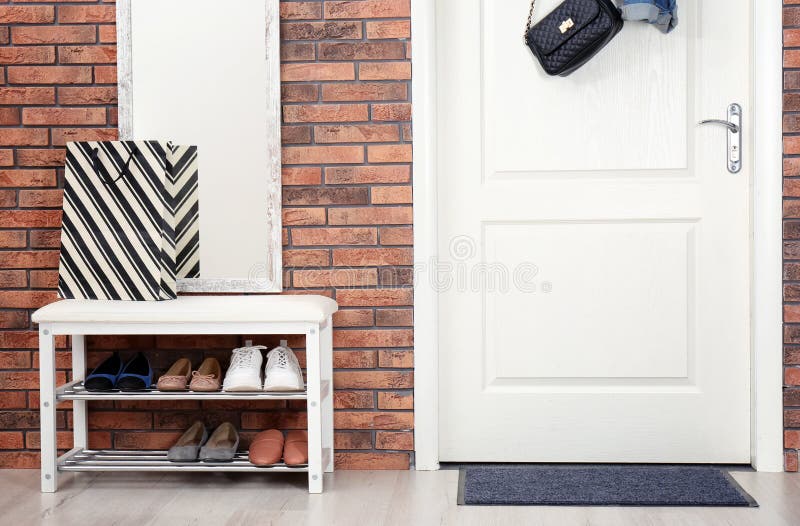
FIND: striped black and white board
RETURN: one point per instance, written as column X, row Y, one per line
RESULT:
column 131, row 220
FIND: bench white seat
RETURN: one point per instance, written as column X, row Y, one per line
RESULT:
column 191, row 309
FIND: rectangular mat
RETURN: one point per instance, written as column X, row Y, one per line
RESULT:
column 602, row 485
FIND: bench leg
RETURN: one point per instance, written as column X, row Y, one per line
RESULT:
column 47, row 408
column 314, row 408
column 326, row 364
column 80, row 427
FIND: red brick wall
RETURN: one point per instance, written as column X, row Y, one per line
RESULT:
column 347, row 204
column 347, row 201
column 791, row 231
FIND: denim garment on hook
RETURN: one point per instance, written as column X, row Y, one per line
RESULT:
column 661, row 13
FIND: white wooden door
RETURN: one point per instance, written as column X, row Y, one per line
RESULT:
column 594, row 249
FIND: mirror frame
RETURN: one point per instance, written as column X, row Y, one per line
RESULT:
column 266, row 277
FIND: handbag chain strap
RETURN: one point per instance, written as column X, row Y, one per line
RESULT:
column 530, row 22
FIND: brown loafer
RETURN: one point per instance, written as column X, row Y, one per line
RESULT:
column 295, row 449
column 266, row 448
column 207, row 377
column 176, row 377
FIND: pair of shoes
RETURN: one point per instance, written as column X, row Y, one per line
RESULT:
column 205, row 379
column 135, row 375
column 282, row 372
column 268, row 447
column 195, row 444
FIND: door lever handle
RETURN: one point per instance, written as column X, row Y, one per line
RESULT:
column 734, row 128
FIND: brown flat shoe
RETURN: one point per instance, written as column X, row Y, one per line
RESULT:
column 207, row 377
column 295, row 450
column 266, row 448
column 176, row 377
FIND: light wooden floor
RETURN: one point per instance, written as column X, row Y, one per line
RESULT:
column 352, row 498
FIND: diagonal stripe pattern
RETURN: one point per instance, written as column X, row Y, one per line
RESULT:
column 131, row 220
column 185, row 209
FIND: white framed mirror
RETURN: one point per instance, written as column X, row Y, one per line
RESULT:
column 194, row 72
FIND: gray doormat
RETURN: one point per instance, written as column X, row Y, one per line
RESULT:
column 600, row 485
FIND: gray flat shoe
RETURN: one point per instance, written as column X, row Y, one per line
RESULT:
column 222, row 445
column 188, row 445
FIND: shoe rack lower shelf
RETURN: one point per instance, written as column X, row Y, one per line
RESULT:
column 76, row 391
column 117, row 460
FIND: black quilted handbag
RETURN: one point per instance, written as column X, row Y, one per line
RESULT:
column 572, row 34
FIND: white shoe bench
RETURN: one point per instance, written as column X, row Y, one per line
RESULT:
column 260, row 315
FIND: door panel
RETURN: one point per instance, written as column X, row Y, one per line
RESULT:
column 598, row 309
column 640, row 273
column 642, row 82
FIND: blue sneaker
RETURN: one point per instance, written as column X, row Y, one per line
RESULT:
column 136, row 375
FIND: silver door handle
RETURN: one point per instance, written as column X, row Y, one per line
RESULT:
column 734, row 126
column 731, row 126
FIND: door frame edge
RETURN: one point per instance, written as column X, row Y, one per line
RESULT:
column 766, row 354
column 426, row 297
column 766, row 349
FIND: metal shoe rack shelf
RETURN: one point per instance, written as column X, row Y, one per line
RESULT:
column 307, row 315
column 136, row 460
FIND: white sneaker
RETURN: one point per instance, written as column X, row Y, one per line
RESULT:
column 282, row 372
column 244, row 373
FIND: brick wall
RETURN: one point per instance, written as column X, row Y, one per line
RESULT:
column 791, row 231
column 347, row 198
column 347, row 205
